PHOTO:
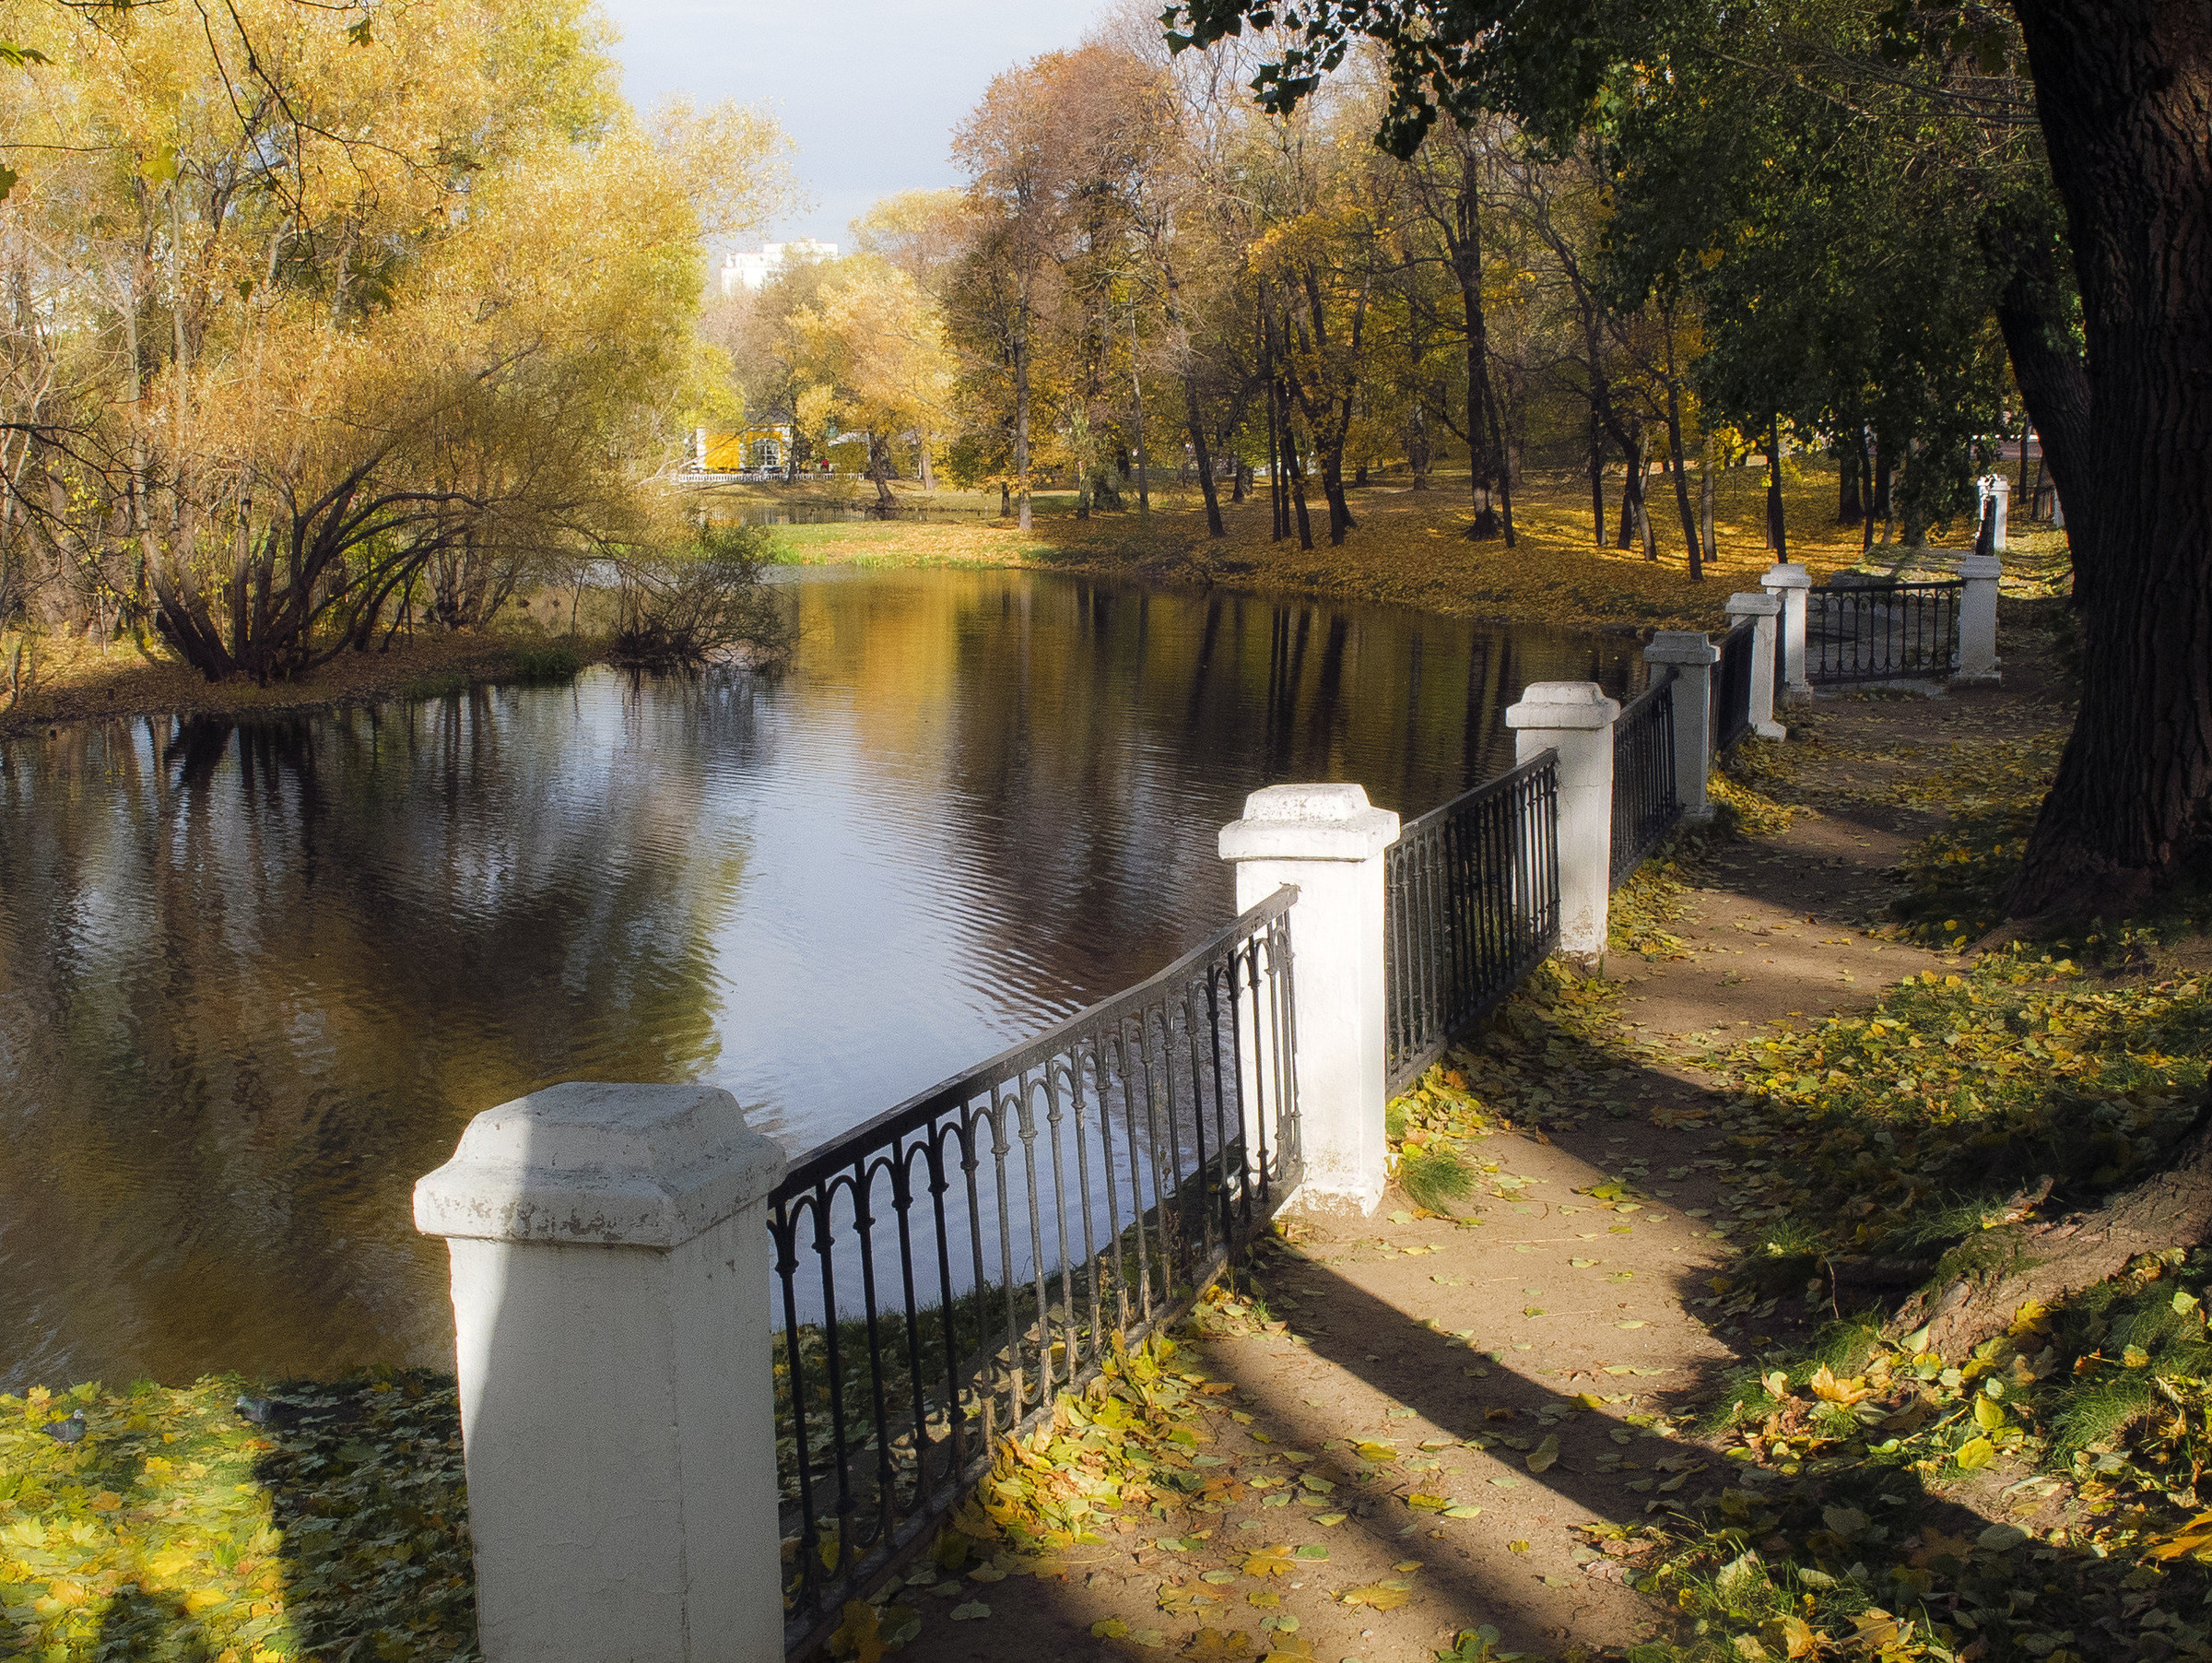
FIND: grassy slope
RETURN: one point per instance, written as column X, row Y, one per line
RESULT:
column 1407, row 548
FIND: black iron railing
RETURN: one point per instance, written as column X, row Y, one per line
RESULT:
column 1471, row 906
column 1881, row 631
column 1732, row 687
column 1645, row 805
column 947, row 1269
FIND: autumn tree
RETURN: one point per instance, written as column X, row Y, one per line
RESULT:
column 332, row 300
column 873, row 360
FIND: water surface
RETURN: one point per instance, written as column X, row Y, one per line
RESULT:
column 255, row 978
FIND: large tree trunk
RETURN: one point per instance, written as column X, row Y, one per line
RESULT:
column 2053, row 378
column 2050, row 1262
column 1021, row 421
column 2124, row 93
column 1484, row 462
column 1778, row 534
column 1206, row 460
column 1598, row 482
column 1332, row 487
column 1689, row 518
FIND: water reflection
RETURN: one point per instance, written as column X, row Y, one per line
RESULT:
column 253, row 979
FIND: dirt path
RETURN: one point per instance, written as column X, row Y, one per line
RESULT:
column 1470, row 1420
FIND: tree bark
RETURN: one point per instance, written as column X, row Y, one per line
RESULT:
column 1021, row 418
column 1206, row 462
column 2050, row 1262
column 2052, row 375
column 1597, row 483
column 2123, row 91
column 1777, row 535
column 1636, row 456
column 1689, row 518
column 1297, row 480
column 1465, row 240
column 1705, row 489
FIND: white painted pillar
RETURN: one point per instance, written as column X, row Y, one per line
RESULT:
column 1978, row 618
column 1693, row 657
column 1789, row 581
column 2058, row 511
column 1999, row 487
column 1575, row 718
column 1329, row 842
column 1765, row 612
column 610, row 1278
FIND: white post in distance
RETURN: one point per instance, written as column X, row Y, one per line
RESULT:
column 1789, row 581
column 1692, row 656
column 2000, row 488
column 1765, row 612
column 1329, row 842
column 1575, row 718
column 1978, row 618
column 610, row 1279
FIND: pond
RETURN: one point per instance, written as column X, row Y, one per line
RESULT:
column 254, row 979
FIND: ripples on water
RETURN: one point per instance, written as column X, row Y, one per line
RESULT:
column 256, row 979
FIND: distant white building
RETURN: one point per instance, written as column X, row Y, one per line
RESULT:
column 753, row 267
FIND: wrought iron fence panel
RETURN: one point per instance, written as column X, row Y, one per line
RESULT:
column 1471, row 896
column 1881, row 631
column 1732, row 687
column 1645, row 805
column 944, row 1270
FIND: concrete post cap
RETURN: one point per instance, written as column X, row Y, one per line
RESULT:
column 1680, row 646
column 1980, row 567
column 613, row 1165
column 1790, row 576
column 1762, row 605
column 1573, row 705
column 1309, row 822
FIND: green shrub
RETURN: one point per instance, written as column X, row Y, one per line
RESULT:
column 537, row 662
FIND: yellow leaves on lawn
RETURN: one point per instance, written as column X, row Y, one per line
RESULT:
column 1272, row 1561
column 2193, row 1538
column 1790, row 1636
column 1829, row 1389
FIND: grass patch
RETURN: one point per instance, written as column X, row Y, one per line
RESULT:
column 173, row 1527
column 1978, row 1082
column 544, row 662
column 444, row 684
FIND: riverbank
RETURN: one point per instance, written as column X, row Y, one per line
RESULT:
column 79, row 681
column 1409, row 549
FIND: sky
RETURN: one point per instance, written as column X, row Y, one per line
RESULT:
column 869, row 90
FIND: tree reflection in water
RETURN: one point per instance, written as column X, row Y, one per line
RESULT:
column 255, row 977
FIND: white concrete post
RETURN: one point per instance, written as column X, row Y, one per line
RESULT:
column 1328, row 841
column 1765, row 612
column 1789, row 581
column 1693, row 657
column 1978, row 618
column 1999, row 487
column 610, row 1277
column 1575, row 718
